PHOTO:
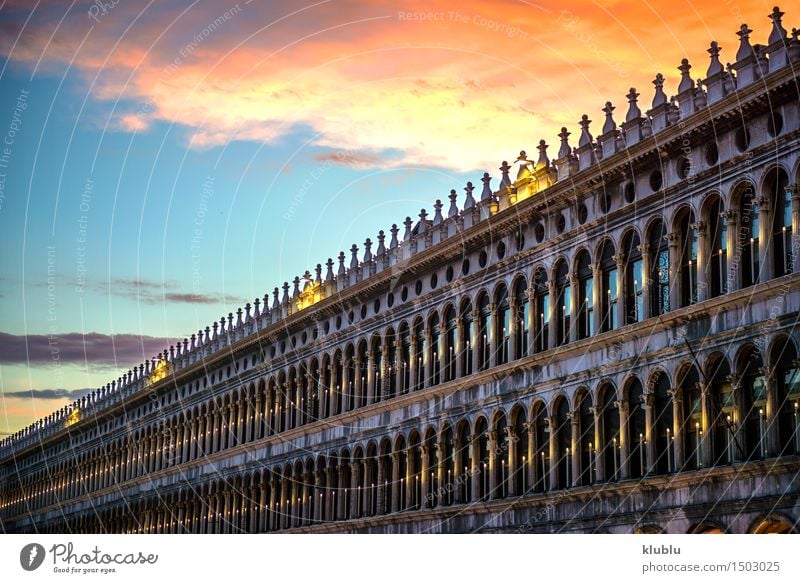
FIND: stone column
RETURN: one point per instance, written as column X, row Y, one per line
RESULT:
column 513, row 307
column 553, row 470
column 511, row 482
column 531, row 321
column 678, row 433
column 410, row 480
column 574, row 308
column 476, row 339
column 705, row 445
column 474, row 448
column 733, row 274
column 371, row 381
column 443, row 351
column 288, row 412
column 647, row 266
column 765, row 247
column 439, row 472
column 648, row 400
column 333, row 391
column 551, row 317
column 395, row 482
column 425, row 478
column 386, row 369
column 703, row 263
column 259, row 417
column 493, row 340
column 354, row 491
column 493, row 486
column 673, row 239
column 599, row 462
column 427, row 358
column 737, row 440
column 619, row 258
column 597, row 298
column 575, row 444
column 531, row 457
column 771, row 411
column 413, row 364
column 624, row 440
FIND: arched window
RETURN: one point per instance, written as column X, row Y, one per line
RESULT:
column 780, row 197
column 637, row 447
column 503, row 326
column 446, row 492
column 787, row 377
column 585, row 292
column 353, row 374
column 362, row 374
column 466, row 342
column 450, row 344
column 563, row 437
column 721, row 412
column 609, row 293
column 748, row 236
column 520, row 477
column 414, row 472
column 692, row 428
column 659, row 269
column 521, row 317
column 481, row 430
column 434, row 331
column 432, row 489
column 717, row 248
column 634, row 290
column 465, row 462
column 484, row 315
column 337, row 380
column 610, row 444
column 563, row 313
column 541, row 461
column 687, row 250
column 754, row 404
column 542, row 319
column 501, row 462
column 585, row 440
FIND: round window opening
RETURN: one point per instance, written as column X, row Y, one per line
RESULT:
column 561, row 224
column 583, row 213
column 775, row 124
column 655, row 180
column 434, row 281
column 538, row 232
column 712, row 154
column 418, row 287
column 629, row 193
column 742, row 139
column 465, row 267
column 482, row 259
column 501, row 250
column 448, row 274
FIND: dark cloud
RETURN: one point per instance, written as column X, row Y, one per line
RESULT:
column 71, row 394
column 76, row 348
column 159, row 292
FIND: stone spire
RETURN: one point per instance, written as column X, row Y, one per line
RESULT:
column 486, row 193
column 381, row 249
column 342, row 270
column 318, row 274
column 634, row 113
column 354, row 256
column 745, row 64
column 367, row 250
column 394, row 242
column 564, row 150
column 686, row 83
column 453, row 210
column 505, row 181
column 470, row 201
column 543, row 161
column 632, row 126
column 296, row 290
column 778, row 33
column 715, row 67
column 778, row 42
column 745, row 49
column 585, row 149
column 407, row 224
column 329, row 272
column 660, row 98
column 524, row 171
column 437, row 213
column 609, row 125
column 586, row 137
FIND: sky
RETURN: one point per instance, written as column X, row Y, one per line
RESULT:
column 163, row 163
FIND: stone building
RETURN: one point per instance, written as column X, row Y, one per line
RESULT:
column 605, row 343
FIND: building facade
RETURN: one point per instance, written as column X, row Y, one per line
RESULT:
column 606, row 343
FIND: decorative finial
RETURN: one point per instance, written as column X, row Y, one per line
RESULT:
column 686, row 83
column 745, row 50
column 486, row 193
column 609, row 125
column 453, row 210
column 437, row 213
column 543, row 161
column 505, row 181
column 716, row 66
column 586, row 137
column 469, row 202
column 354, row 256
column 634, row 112
column 367, row 250
column 564, row 150
column 394, row 242
column 660, row 98
column 778, row 34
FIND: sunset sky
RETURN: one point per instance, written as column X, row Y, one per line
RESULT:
column 163, row 163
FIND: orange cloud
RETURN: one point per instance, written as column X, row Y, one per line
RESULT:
column 450, row 84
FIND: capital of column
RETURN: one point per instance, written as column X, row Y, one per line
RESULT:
column 734, row 379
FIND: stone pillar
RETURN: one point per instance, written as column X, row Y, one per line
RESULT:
column 673, row 239
column 551, row 317
column 513, row 307
column 531, row 457
column 386, row 369
column 288, row 412
column 619, row 258
column 395, row 480
column 476, row 339
column 737, row 440
column 703, row 264
column 531, row 321
column 427, row 358
column 493, row 340
column 574, row 308
column 443, row 351
column 511, row 482
column 733, row 274
column 771, row 412
column 425, row 478
column 371, row 380
column 649, row 431
column 553, row 469
column 333, row 391
column 765, row 247
column 474, row 448
column 493, row 485
column 678, row 433
column 624, row 440
column 413, row 364
column 354, row 490
column 575, row 446
column 258, row 414
column 459, row 348
column 647, row 266
column 599, row 462
column 597, row 298
column 706, row 450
